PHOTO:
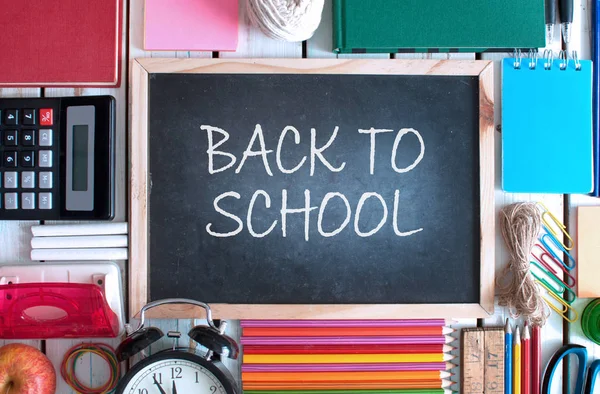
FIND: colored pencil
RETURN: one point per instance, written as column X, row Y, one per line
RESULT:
column 414, row 340
column 345, row 358
column 399, row 391
column 344, row 323
column 330, row 377
column 420, row 384
column 508, row 344
column 348, row 349
column 345, row 331
column 526, row 362
column 536, row 359
column 440, row 366
column 517, row 363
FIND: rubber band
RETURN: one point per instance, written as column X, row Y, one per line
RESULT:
column 105, row 352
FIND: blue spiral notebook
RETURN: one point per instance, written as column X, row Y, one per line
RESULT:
column 547, row 126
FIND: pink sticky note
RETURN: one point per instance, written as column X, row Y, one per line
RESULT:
column 191, row 25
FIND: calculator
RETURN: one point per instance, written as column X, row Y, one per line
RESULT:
column 57, row 158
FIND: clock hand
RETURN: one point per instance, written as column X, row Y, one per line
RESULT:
column 174, row 388
column 159, row 386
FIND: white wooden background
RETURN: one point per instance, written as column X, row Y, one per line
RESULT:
column 15, row 236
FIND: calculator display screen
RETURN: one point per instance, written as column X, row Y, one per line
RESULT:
column 80, row 157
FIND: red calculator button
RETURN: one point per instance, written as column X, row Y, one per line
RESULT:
column 46, row 116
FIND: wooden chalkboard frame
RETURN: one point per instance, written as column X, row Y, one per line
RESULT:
column 139, row 198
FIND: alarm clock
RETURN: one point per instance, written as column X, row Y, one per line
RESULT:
column 179, row 370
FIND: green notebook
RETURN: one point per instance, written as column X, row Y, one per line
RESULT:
column 391, row 26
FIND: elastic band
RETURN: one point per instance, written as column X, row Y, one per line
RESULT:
column 107, row 353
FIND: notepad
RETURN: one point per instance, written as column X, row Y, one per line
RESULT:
column 588, row 252
column 547, row 126
column 191, row 25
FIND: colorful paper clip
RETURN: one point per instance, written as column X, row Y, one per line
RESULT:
column 552, row 282
column 549, row 228
column 549, row 262
column 559, row 246
column 564, row 313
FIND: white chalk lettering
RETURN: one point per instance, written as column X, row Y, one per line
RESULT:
column 395, row 219
column 249, row 217
column 318, row 152
column 226, row 214
column 211, row 149
column 306, row 210
column 372, row 131
column 399, row 136
column 278, row 152
column 359, row 207
column 258, row 134
column 326, row 199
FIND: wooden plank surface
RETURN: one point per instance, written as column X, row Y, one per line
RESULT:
column 91, row 369
column 253, row 44
column 552, row 332
column 15, row 236
column 135, row 39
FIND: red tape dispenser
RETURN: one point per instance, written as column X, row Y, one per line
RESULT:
column 55, row 310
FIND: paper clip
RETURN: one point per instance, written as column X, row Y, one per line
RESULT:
column 558, row 246
column 558, row 287
column 550, row 228
column 565, row 309
column 546, row 260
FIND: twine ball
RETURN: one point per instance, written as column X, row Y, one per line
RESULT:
column 288, row 20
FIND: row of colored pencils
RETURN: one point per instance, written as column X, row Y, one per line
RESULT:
column 356, row 356
column 522, row 360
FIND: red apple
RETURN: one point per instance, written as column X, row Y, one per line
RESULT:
column 25, row 370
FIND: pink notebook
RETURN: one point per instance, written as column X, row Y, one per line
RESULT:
column 191, row 25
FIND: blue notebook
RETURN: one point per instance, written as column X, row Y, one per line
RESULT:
column 547, row 126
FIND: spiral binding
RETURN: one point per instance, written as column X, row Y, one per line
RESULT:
column 547, row 59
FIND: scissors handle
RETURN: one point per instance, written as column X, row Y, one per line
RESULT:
column 580, row 352
column 591, row 377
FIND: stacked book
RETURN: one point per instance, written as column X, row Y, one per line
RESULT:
column 355, row 356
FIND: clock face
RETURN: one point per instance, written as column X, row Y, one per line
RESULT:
column 175, row 375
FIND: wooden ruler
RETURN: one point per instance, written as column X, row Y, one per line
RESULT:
column 482, row 360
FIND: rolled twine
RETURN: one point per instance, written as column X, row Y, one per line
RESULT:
column 288, row 20
column 521, row 224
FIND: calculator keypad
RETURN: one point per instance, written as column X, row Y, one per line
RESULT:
column 28, row 161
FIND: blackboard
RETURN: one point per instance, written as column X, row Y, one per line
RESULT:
column 388, row 163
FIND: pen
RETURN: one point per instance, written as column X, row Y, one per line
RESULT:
column 550, row 19
column 566, row 18
column 508, row 359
